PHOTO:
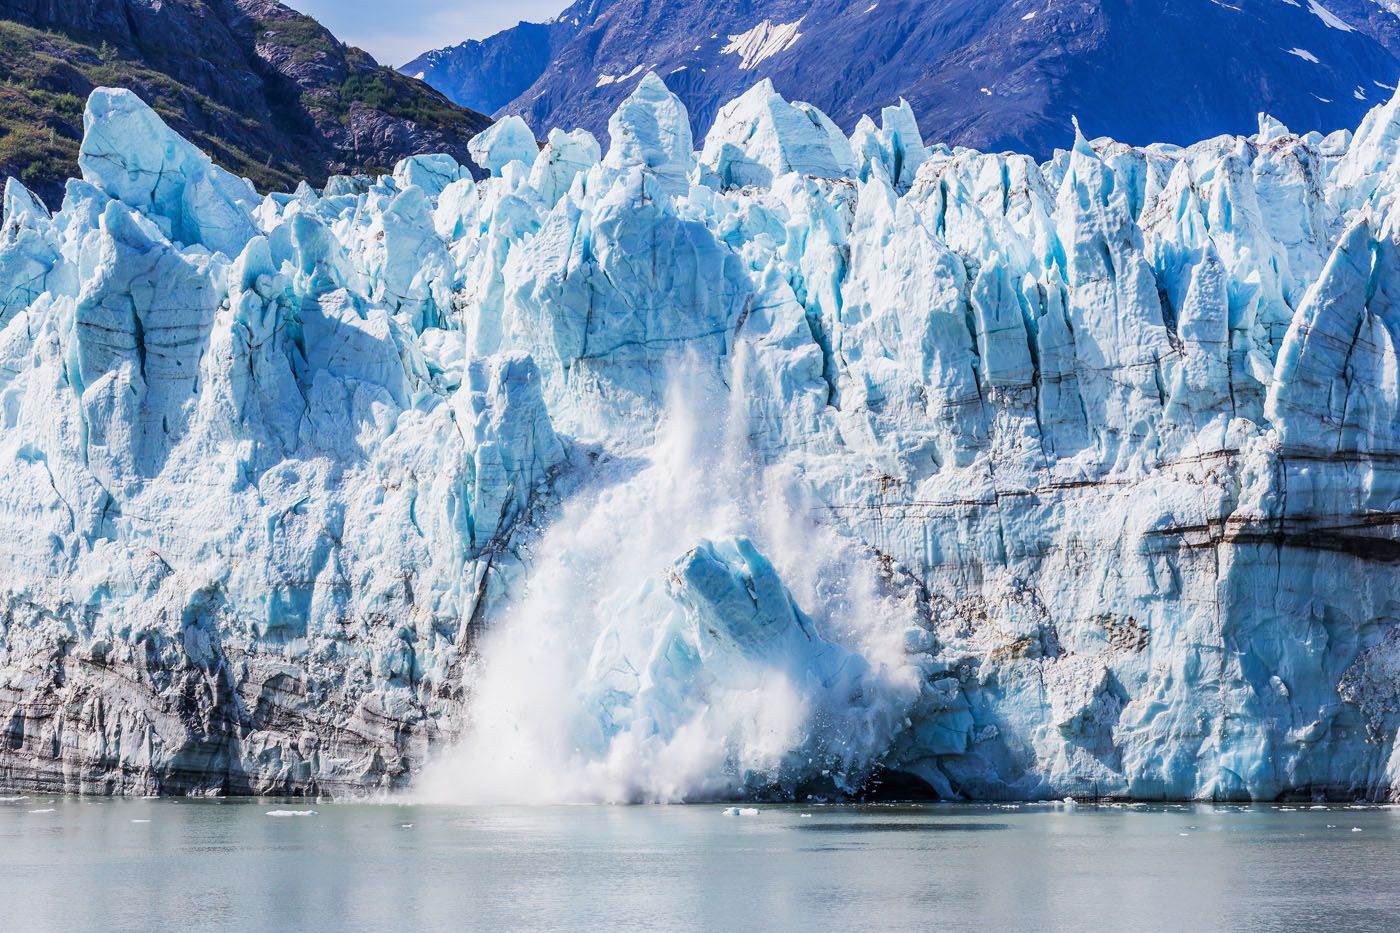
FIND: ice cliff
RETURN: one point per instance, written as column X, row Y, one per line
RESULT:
column 786, row 463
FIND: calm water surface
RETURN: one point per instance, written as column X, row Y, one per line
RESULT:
column 178, row 865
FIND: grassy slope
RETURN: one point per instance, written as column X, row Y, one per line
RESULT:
column 48, row 76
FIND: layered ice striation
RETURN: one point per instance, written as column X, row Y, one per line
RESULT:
column 783, row 463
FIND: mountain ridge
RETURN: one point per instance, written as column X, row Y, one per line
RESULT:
column 999, row 75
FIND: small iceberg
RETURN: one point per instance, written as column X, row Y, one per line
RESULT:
column 741, row 811
column 291, row 812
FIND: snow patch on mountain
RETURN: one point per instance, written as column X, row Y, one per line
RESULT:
column 1327, row 16
column 605, row 80
column 764, row 41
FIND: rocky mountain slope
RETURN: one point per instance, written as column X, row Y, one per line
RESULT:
column 268, row 92
column 990, row 74
column 783, row 469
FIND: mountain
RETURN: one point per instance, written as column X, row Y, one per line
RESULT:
column 791, row 467
column 991, row 74
column 270, row 93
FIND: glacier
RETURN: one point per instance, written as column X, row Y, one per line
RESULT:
column 777, row 464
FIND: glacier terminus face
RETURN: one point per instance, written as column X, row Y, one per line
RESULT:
column 775, row 464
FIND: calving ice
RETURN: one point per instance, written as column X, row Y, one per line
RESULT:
column 782, row 464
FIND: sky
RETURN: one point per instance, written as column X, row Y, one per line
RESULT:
column 397, row 31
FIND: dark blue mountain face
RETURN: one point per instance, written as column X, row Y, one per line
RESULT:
column 494, row 71
column 993, row 74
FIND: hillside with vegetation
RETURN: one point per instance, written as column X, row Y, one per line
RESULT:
column 269, row 93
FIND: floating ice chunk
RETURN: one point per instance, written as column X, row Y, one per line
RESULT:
column 291, row 812
column 741, row 811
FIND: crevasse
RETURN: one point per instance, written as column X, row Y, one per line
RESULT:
column 779, row 467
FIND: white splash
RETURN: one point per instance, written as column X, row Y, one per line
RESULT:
column 611, row 679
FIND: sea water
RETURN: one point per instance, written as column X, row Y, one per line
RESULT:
column 259, row 865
